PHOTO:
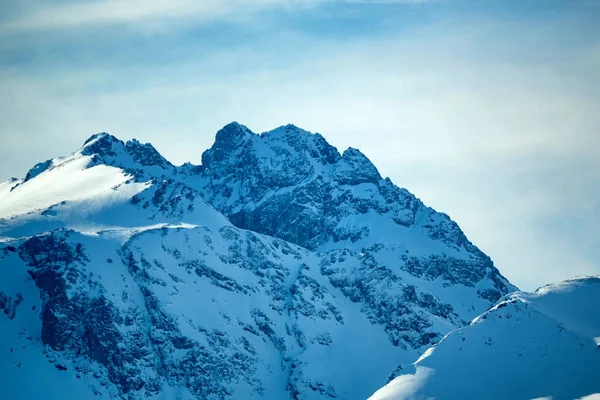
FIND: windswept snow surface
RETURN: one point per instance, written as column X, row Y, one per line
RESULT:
column 70, row 180
column 528, row 346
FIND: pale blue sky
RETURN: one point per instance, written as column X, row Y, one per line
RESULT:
column 486, row 110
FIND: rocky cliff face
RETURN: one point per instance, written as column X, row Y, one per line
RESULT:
column 279, row 268
column 291, row 184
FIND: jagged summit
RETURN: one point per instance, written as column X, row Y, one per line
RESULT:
column 313, row 145
column 145, row 154
column 37, row 169
column 354, row 167
column 99, row 135
column 231, row 141
column 102, row 145
column 106, row 149
column 228, row 141
column 100, row 139
column 231, row 134
column 288, row 152
column 141, row 161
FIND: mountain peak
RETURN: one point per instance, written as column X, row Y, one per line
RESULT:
column 284, row 130
column 108, row 149
column 100, row 136
column 355, row 168
column 145, row 154
column 140, row 252
column 102, row 144
column 352, row 152
column 228, row 139
column 302, row 142
column 232, row 132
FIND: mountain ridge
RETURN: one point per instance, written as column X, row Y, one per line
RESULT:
column 544, row 344
column 277, row 252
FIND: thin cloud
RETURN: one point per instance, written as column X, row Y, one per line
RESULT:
column 132, row 12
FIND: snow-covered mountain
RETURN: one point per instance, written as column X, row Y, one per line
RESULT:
column 279, row 268
column 529, row 345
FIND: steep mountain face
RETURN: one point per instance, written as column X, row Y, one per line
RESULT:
column 279, row 268
column 530, row 345
column 377, row 241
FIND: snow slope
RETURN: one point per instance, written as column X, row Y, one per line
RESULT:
column 530, row 345
column 279, row 268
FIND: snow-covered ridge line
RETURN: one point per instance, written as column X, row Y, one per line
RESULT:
column 544, row 344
